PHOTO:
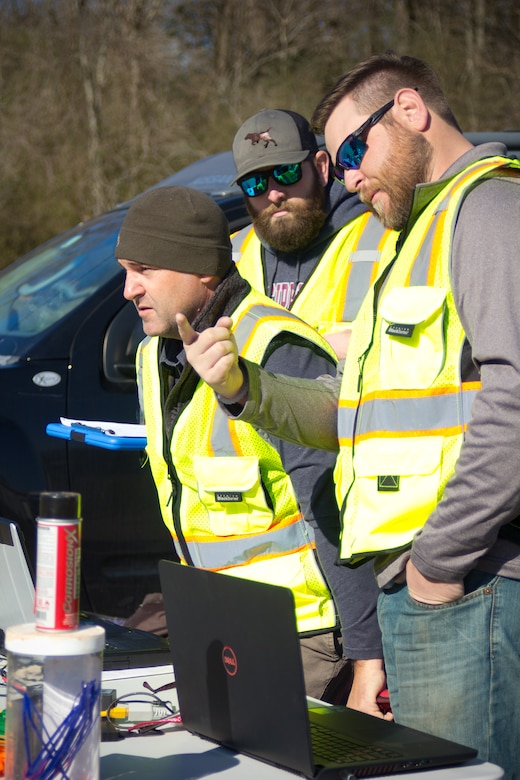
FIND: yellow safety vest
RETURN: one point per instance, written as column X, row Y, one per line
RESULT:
column 234, row 507
column 330, row 298
column 404, row 406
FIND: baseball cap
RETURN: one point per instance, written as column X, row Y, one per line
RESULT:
column 272, row 137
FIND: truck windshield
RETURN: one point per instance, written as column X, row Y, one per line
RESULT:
column 41, row 288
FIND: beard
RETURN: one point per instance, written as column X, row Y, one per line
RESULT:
column 296, row 229
column 405, row 167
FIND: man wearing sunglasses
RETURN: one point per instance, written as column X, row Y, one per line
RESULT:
column 313, row 248
column 428, row 421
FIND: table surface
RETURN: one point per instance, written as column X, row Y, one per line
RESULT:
column 178, row 755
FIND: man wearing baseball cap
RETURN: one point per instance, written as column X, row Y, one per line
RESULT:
column 315, row 249
column 232, row 500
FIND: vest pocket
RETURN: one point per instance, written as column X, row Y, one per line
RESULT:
column 231, row 490
column 395, row 491
column 412, row 337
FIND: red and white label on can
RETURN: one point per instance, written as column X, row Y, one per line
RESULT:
column 58, row 560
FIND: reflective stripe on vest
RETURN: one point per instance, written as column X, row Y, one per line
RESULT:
column 420, row 413
column 236, row 511
column 333, row 293
column 404, row 406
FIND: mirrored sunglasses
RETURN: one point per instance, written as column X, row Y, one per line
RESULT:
column 352, row 150
column 255, row 184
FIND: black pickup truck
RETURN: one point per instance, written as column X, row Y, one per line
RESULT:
column 67, row 347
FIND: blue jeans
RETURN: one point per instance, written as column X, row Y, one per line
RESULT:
column 454, row 670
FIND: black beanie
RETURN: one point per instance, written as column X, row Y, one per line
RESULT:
column 177, row 228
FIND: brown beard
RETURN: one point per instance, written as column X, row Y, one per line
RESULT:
column 407, row 165
column 297, row 228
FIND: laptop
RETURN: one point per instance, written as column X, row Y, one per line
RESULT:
column 237, row 663
column 125, row 648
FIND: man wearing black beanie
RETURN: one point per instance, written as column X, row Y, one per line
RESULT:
column 233, row 500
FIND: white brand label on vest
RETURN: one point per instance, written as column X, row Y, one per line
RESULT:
column 400, row 329
column 228, row 497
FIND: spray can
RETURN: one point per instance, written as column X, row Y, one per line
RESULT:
column 58, row 560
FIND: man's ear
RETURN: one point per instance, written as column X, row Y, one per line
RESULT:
column 211, row 282
column 322, row 163
column 411, row 109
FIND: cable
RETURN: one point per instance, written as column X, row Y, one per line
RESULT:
column 157, row 713
column 59, row 750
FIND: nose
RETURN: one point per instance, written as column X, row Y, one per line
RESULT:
column 353, row 179
column 133, row 287
column 274, row 193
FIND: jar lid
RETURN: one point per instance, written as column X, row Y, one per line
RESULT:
column 26, row 639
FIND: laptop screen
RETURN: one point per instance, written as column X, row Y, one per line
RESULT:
column 16, row 584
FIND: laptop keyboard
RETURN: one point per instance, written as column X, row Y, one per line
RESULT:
column 335, row 747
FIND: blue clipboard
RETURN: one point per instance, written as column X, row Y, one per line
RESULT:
column 95, row 437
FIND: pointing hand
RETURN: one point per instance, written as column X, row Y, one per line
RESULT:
column 213, row 354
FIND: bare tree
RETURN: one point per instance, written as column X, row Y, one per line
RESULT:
column 103, row 98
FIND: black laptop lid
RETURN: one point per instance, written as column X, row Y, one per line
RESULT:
column 237, row 660
column 224, row 667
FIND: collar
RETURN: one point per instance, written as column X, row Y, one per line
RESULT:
column 171, row 354
column 426, row 192
column 229, row 293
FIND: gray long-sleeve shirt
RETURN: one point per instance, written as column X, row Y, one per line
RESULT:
column 484, row 493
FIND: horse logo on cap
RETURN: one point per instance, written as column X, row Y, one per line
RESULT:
column 264, row 136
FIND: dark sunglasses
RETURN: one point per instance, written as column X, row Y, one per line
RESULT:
column 256, row 183
column 353, row 148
